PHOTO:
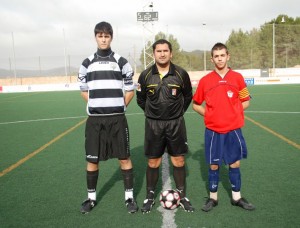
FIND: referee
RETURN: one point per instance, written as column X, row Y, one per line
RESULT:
column 164, row 93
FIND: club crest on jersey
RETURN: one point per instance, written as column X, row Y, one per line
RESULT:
column 137, row 86
column 174, row 92
column 113, row 65
column 230, row 93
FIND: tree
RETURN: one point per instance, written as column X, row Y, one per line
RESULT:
column 254, row 49
column 179, row 57
column 249, row 50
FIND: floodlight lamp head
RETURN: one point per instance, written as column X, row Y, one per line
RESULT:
column 151, row 5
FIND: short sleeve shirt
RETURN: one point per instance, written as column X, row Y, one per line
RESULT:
column 223, row 99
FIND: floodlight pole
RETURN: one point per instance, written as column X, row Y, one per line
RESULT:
column 65, row 53
column 204, row 61
column 146, row 18
column 273, row 48
column 14, row 54
column 274, row 45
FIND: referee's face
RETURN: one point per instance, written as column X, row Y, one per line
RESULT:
column 162, row 54
column 103, row 40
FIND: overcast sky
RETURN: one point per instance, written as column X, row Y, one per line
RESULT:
column 51, row 27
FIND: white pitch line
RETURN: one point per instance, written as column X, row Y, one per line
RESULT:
column 39, row 120
column 270, row 112
column 128, row 114
column 59, row 118
column 273, row 112
column 168, row 215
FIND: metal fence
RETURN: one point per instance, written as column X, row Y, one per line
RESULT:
column 269, row 47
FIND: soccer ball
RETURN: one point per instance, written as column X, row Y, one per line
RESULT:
column 169, row 199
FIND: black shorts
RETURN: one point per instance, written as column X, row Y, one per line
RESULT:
column 162, row 134
column 106, row 137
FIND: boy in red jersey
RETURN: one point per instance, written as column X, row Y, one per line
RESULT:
column 226, row 97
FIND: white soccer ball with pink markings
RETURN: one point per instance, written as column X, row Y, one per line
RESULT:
column 169, row 199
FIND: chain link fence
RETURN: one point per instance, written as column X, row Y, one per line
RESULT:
column 273, row 46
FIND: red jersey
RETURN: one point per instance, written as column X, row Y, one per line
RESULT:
column 223, row 99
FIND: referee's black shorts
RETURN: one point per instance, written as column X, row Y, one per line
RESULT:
column 165, row 134
column 106, row 137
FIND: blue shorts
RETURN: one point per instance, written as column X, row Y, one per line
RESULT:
column 229, row 147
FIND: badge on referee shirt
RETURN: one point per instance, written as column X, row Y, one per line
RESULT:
column 174, row 92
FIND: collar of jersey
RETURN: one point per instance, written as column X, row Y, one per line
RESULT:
column 171, row 70
column 103, row 53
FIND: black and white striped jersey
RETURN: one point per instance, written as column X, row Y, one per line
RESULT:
column 106, row 76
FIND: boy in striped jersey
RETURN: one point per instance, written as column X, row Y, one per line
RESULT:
column 226, row 96
column 106, row 85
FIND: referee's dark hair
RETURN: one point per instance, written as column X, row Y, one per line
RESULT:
column 103, row 27
column 162, row 41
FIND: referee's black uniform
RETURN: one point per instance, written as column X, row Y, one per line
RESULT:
column 164, row 97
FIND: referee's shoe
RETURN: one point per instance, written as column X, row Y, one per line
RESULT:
column 186, row 205
column 147, row 206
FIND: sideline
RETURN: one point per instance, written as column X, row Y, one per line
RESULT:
column 128, row 114
column 274, row 133
column 269, row 112
column 20, row 162
column 39, row 120
column 272, row 112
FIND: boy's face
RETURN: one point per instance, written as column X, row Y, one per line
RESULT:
column 220, row 58
column 103, row 40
